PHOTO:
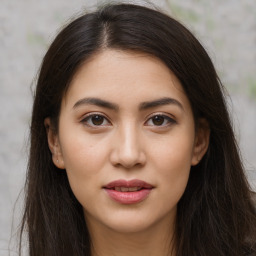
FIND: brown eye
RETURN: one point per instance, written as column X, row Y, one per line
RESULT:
column 94, row 120
column 158, row 120
column 97, row 119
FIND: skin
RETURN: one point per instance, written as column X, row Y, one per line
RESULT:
column 127, row 143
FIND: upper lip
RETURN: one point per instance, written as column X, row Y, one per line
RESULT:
column 128, row 184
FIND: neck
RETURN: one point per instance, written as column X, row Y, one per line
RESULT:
column 154, row 241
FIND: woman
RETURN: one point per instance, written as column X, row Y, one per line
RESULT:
column 132, row 150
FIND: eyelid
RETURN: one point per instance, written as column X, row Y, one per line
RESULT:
column 91, row 114
column 85, row 118
column 171, row 120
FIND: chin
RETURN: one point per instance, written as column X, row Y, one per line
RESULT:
column 127, row 227
column 130, row 222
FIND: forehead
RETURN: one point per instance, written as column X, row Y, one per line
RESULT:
column 124, row 77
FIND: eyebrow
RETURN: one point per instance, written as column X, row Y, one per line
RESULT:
column 160, row 102
column 143, row 106
column 97, row 102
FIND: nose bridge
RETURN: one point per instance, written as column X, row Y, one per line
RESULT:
column 128, row 150
column 130, row 143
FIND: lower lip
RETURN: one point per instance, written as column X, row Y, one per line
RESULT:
column 128, row 197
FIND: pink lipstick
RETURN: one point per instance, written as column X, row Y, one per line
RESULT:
column 128, row 192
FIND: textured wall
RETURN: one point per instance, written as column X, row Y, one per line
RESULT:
column 226, row 28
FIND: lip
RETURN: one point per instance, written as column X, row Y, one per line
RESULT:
column 131, row 197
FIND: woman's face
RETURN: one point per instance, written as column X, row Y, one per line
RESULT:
column 127, row 141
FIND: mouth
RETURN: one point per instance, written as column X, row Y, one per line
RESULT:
column 127, row 189
column 128, row 192
column 134, row 185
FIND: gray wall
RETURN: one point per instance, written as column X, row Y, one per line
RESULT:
column 226, row 28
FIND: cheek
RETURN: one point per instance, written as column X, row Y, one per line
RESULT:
column 82, row 153
column 174, row 152
column 84, row 161
column 172, row 160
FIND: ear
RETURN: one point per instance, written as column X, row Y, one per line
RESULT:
column 54, row 144
column 201, row 141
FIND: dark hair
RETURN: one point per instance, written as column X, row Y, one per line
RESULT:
column 215, row 215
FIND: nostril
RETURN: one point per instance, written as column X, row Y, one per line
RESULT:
column 127, row 151
column 125, row 165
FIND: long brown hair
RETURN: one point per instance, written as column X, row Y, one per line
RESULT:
column 215, row 215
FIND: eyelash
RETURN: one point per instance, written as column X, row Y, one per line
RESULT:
column 167, row 119
column 87, row 120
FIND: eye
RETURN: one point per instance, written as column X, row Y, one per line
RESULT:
column 95, row 120
column 160, row 120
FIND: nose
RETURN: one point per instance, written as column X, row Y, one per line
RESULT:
column 128, row 150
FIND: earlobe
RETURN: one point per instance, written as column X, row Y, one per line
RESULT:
column 54, row 144
column 201, row 141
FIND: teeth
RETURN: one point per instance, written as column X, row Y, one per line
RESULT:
column 134, row 189
column 125, row 189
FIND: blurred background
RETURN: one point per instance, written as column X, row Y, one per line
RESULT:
column 227, row 29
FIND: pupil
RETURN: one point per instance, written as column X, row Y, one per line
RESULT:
column 158, row 120
column 97, row 120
